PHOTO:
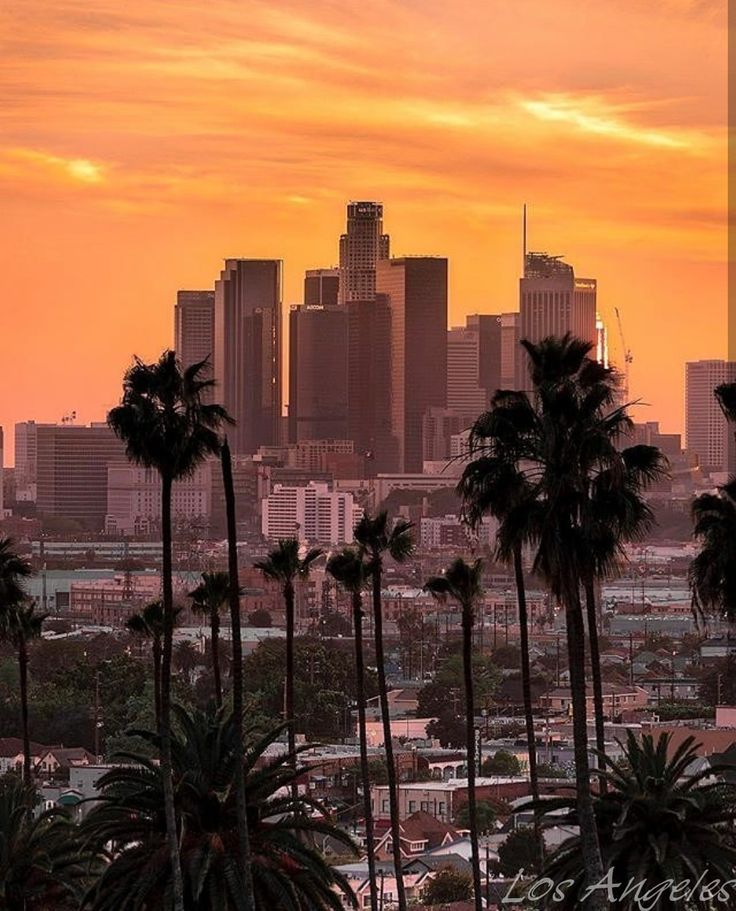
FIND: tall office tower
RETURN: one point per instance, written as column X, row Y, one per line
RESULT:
column 361, row 248
column 552, row 301
column 71, row 465
column 369, row 384
column 707, row 432
column 25, row 460
column 194, row 326
column 248, row 350
column 416, row 291
column 318, row 372
column 601, row 341
column 465, row 395
column 321, row 286
column 510, row 350
column 489, row 328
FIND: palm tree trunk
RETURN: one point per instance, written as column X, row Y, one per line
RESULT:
column 470, row 748
column 289, row 694
column 362, row 737
column 156, row 648
column 393, row 794
column 172, row 835
column 526, row 687
column 595, row 666
column 586, row 818
column 23, row 672
column 215, row 641
column 237, row 675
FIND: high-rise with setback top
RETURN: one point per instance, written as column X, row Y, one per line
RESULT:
column 248, row 350
column 361, row 247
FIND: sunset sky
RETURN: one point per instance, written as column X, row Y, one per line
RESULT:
column 142, row 142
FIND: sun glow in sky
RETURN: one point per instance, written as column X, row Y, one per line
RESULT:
column 143, row 142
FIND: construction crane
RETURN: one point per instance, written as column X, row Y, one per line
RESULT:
column 628, row 356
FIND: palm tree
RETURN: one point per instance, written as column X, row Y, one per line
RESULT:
column 14, row 571
column 615, row 513
column 491, row 484
column 726, row 395
column 149, row 623
column 348, row 569
column 659, row 821
column 19, row 624
column 166, row 425
column 562, row 438
column 284, row 565
column 712, row 573
column 42, row 864
column 241, row 801
column 463, row 582
column 376, row 538
column 208, row 599
column 288, row 872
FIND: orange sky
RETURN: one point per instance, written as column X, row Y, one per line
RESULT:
column 141, row 142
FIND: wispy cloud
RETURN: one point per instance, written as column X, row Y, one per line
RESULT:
column 79, row 170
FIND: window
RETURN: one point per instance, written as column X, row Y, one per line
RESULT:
column 412, row 806
column 385, row 806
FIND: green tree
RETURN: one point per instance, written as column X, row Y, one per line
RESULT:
column 463, row 582
column 502, row 763
column 167, row 425
column 377, row 538
column 42, row 865
column 520, row 851
column 658, row 821
column 288, row 872
column 448, row 728
column 260, row 618
column 347, row 567
column 208, row 599
column 485, row 817
column 284, row 565
column 447, row 887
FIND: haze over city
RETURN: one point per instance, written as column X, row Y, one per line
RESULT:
column 144, row 143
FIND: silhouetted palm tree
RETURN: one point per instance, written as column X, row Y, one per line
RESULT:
column 166, row 425
column 289, row 874
column 348, row 568
column 726, row 395
column 208, row 599
column 377, row 537
column 284, row 565
column 615, row 512
column 241, row 800
column 492, row 483
column 42, row 864
column 149, row 623
column 712, row 573
column 463, row 582
column 660, row 821
column 19, row 624
column 14, row 571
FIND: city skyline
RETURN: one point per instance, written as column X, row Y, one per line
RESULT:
column 618, row 148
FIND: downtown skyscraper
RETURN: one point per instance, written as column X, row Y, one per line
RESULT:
column 708, row 434
column 415, row 289
column 247, row 350
column 194, row 326
column 553, row 302
column 361, row 247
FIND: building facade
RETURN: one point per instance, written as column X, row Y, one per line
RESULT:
column 194, row 327
column 318, row 372
column 321, row 287
column 707, row 431
column 361, row 247
column 71, row 466
column 416, row 291
column 248, row 350
column 313, row 513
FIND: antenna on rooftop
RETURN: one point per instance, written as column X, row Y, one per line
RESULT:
column 523, row 240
